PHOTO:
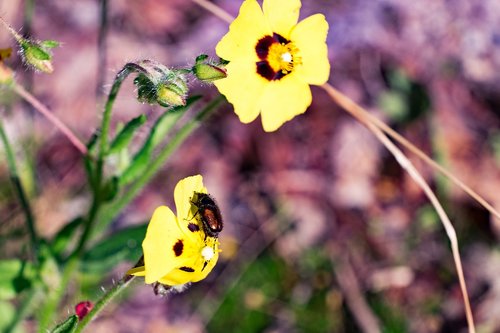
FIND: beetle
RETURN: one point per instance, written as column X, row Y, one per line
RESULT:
column 209, row 212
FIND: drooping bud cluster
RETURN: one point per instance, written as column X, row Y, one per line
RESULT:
column 159, row 84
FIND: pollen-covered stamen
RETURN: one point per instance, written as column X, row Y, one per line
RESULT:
column 207, row 253
column 278, row 57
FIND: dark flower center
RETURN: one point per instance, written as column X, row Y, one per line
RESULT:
column 277, row 55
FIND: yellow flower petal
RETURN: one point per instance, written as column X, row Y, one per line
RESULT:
column 243, row 88
column 251, row 24
column 282, row 15
column 183, row 193
column 137, row 271
column 178, row 276
column 162, row 234
column 310, row 38
column 283, row 100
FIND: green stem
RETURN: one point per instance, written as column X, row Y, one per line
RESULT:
column 115, row 208
column 14, row 176
column 106, row 119
column 54, row 298
column 105, row 299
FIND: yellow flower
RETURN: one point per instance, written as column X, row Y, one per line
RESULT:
column 272, row 61
column 178, row 249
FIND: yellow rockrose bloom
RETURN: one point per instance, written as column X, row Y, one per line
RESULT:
column 272, row 61
column 181, row 249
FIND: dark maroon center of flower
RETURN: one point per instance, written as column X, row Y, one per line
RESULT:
column 262, row 48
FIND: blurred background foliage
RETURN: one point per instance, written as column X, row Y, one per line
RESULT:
column 324, row 232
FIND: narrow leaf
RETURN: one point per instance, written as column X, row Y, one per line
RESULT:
column 158, row 133
column 120, row 246
column 110, row 189
column 64, row 235
column 50, row 44
column 123, row 138
column 138, row 164
column 67, row 326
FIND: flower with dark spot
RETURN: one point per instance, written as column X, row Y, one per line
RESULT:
column 272, row 61
column 176, row 249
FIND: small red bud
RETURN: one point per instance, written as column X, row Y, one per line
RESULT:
column 83, row 308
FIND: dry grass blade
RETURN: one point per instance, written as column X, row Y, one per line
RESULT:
column 359, row 114
column 379, row 128
column 450, row 230
column 365, row 117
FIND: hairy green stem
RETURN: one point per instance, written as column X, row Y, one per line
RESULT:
column 116, row 207
column 105, row 299
column 106, row 119
column 54, row 298
column 23, row 198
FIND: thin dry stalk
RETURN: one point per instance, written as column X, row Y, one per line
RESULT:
column 365, row 117
column 379, row 128
column 450, row 231
column 37, row 105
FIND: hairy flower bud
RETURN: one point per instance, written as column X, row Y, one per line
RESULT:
column 171, row 94
column 159, row 84
column 208, row 71
column 38, row 55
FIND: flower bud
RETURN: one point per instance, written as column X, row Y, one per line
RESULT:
column 171, row 94
column 83, row 308
column 37, row 56
column 159, row 84
column 208, row 72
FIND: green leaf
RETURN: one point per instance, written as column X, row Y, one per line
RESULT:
column 64, row 235
column 123, row 138
column 138, row 164
column 110, row 189
column 167, row 120
column 201, row 58
column 158, row 133
column 49, row 44
column 67, row 326
column 15, row 277
column 120, row 246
